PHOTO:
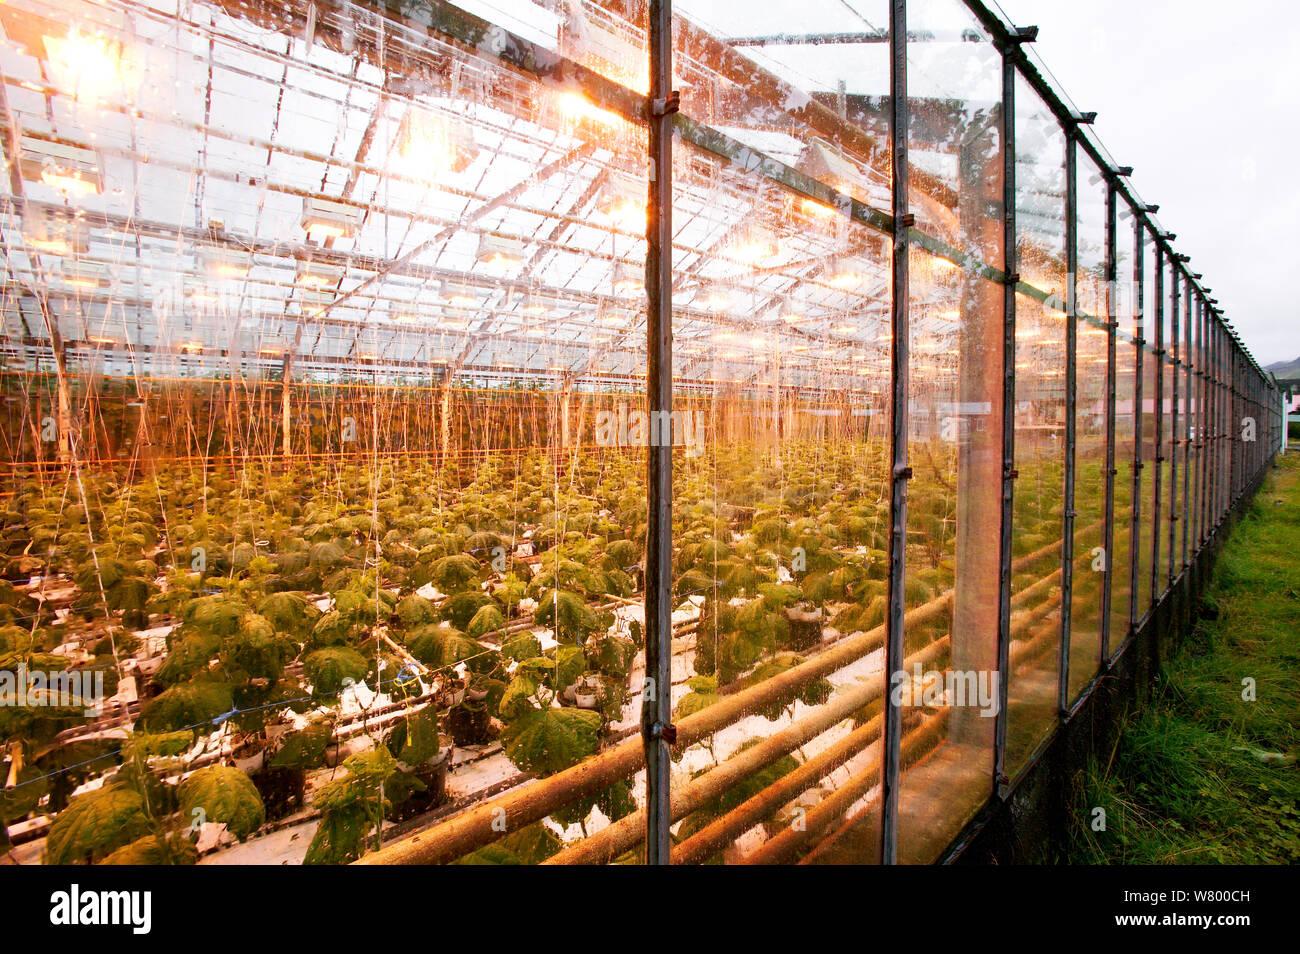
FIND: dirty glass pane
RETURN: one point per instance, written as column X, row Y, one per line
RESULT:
column 781, row 338
column 1124, row 310
column 955, row 449
column 1090, row 558
column 1037, row 512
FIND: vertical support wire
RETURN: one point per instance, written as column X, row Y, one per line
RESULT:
column 898, row 313
column 1071, row 343
column 1112, row 325
column 1139, row 346
column 1161, row 354
column 656, row 706
column 1011, row 260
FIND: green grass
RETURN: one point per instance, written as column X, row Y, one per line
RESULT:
column 1200, row 775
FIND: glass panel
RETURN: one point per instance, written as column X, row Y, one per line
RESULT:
column 955, row 393
column 1124, row 310
column 1037, row 514
column 1090, row 428
column 781, row 328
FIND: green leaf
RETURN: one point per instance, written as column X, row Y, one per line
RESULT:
column 487, row 620
column 226, row 796
column 521, row 647
column 94, row 824
column 328, row 669
column 305, row 749
column 192, row 705
column 546, row 741
column 421, row 737
column 154, row 850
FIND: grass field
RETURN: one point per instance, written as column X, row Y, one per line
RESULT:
column 1201, row 775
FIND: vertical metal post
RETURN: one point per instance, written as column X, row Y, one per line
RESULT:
column 898, row 313
column 1011, row 261
column 1202, row 423
column 656, row 705
column 1174, row 301
column 1212, row 450
column 1112, row 324
column 1187, row 437
column 1071, row 343
column 1140, row 346
column 1162, row 348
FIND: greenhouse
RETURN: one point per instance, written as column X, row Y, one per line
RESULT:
column 577, row 431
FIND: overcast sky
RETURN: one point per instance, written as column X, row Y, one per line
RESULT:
column 1203, row 100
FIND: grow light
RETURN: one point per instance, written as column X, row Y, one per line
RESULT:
column 578, row 107
column 531, row 304
column 428, row 144
column 314, row 275
column 225, row 263
column 845, row 273
column 460, row 295
column 754, row 245
column 84, row 275
column 716, row 298
column 325, row 218
column 500, row 252
column 47, row 231
column 628, row 280
column 201, row 294
column 606, row 51
column 91, row 65
column 402, row 312
column 790, row 311
column 72, row 170
column 622, row 201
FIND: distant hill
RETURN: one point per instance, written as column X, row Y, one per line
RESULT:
column 1285, row 369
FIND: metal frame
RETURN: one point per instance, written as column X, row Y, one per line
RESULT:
column 1139, row 346
column 899, row 470
column 656, row 709
column 1112, row 325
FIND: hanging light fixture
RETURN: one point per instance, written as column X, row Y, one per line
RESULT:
column 429, row 144
column 845, row 273
column 753, row 245
column 622, row 201
column 326, row 219
column 72, row 170
column 628, row 280
column 85, row 276
column 716, row 299
column 577, row 108
column 460, row 295
column 93, row 66
column 790, row 310
column 225, row 263
column 500, row 252
column 317, row 276
column 46, row 230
